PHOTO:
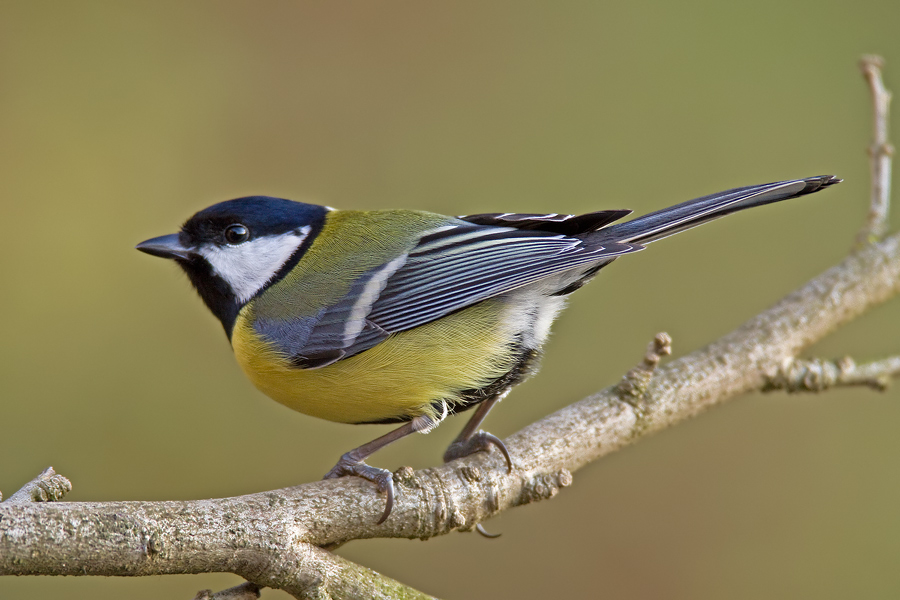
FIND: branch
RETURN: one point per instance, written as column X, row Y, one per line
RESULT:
column 880, row 152
column 259, row 537
column 817, row 375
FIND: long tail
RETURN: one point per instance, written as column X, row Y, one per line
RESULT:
column 672, row 220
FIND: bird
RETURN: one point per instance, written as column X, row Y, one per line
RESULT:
column 404, row 316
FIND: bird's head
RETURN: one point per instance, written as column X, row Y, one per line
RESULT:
column 233, row 250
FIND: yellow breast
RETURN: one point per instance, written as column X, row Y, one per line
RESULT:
column 400, row 377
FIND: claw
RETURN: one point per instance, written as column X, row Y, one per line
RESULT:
column 382, row 478
column 484, row 533
column 492, row 439
column 389, row 504
column 480, row 441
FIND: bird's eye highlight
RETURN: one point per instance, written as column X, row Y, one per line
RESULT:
column 236, row 234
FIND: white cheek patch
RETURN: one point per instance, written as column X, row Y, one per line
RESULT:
column 249, row 266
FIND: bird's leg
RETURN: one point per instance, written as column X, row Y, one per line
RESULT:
column 471, row 440
column 352, row 463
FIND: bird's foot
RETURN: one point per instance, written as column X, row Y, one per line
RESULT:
column 480, row 441
column 382, row 478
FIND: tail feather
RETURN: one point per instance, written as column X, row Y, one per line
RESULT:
column 669, row 221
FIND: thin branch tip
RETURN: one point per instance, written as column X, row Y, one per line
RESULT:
column 49, row 486
column 634, row 382
column 818, row 375
column 870, row 62
column 880, row 153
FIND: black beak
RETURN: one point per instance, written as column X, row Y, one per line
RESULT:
column 166, row 246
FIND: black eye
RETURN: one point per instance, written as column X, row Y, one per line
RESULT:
column 236, row 234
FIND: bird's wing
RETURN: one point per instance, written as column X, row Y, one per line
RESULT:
column 451, row 267
column 553, row 222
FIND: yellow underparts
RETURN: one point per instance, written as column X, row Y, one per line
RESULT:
column 400, row 377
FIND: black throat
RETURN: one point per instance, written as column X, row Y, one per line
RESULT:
column 261, row 216
column 218, row 295
column 214, row 291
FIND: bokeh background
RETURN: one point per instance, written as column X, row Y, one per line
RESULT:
column 119, row 120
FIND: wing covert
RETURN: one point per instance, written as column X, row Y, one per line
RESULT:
column 451, row 267
column 458, row 267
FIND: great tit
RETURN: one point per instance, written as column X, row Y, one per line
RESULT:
column 401, row 316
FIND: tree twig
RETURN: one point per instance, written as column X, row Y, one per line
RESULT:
column 880, row 153
column 49, row 486
column 634, row 383
column 817, row 375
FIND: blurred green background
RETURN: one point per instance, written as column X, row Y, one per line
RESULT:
column 119, row 120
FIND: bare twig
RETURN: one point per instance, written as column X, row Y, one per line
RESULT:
column 816, row 375
column 46, row 487
column 634, row 383
column 880, row 153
